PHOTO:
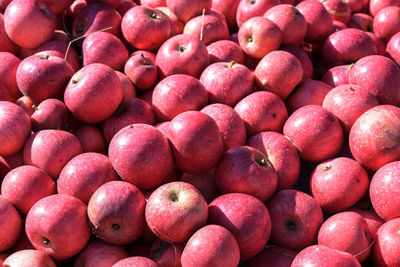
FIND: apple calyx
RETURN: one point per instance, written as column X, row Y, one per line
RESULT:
column 115, row 227
column 46, row 242
column 252, row 2
column 173, row 196
column 327, row 167
column 263, row 162
column 154, row 15
column 291, row 226
column 181, row 49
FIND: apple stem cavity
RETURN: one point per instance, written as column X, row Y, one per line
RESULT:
column 262, row 162
column 327, row 167
column 46, row 242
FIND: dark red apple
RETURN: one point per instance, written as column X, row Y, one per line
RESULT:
column 337, row 75
column 91, row 138
column 204, row 182
column 166, row 254
column 10, row 223
column 9, row 90
column 275, row 256
column 361, row 21
column 386, row 250
column 113, row 3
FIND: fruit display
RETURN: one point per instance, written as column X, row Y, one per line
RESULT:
column 205, row 133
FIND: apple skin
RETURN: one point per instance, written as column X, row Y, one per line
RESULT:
column 383, row 188
column 184, row 11
column 249, row 9
column 176, row 94
column 166, row 254
column 9, row 90
column 271, row 73
column 29, row 23
column 318, row 255
column 348, row 102
column 386, row 250
column 204, row 182
column 383, row 82
column 141, row 19
column 228, row 9
column 258, row 36
column 338, row 75
column 376, row 5
column 281, row 153
column 302, row 56
column 15, row 128
column 196, row 141
column 98, row 253
column 182, row 54
column 276, row 256
column 211, row 246
column 175, row 210
column 129, row 90
column 373, row 139
column 235, row 81
column 118, row 218
column 105, row 48
column 25, row 185
column 131, row 110
column 93, row 93
column 91, row 138
column 371, row 218
column 319, row 21
column 113, row 3
column 6, row 44
column 359, row 5
column 124, row 6
column 338, row 184
column 61, row 146
column 50, row 114
column 11, row 224
column 230, row 125
column 393, row 47
column 136, row 261
column 361, row 21
column 83, row 174
column 141, row 70
column 29, row 258
column 295, row 218
column 57, row 225
column 256, row 107
column 339, row 10
column 244, row 169
column 387, row 22
column 43, row 76
column 316, row 133
column 225, row 51
column 346, row 231
column 149, row 163
column 246, row 218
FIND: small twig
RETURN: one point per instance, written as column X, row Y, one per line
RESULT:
column 202, row 24
column 369, row 247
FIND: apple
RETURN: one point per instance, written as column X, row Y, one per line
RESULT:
column 253, row 8
column 338, row 75
column 225, row 51
column 166, row 254
column 387, row 22
column 57, row 225
column 29, row 258
column 11, row 224
column 295, row 218
column 392, row 48
column 9, row 90
column 93, row 93
column 184, row 11
column 373, row 139
column 385, row 251
column 6, row 44
column 25, row 185
column 276, row 256
column 136, row 261
column 91, row 138
column 359, row 5
column 113, row 3
column 211, row 246
column 361, row 21
column 175, row 210
column 15, row 128
column 371, row 218
column 141, row 70
column 124, row 6
column 338, row 9
column 129, row 90
column 116, row 212
column 303, row 57
column 29, row 23
column 50, row 114
column 376, row 5
column 246, row 218
column 228, row 9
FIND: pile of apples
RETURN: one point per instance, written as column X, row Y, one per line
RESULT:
column 209, row 133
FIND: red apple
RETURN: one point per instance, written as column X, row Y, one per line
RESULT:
column 386, row 250
column 184, row 11
column 136, row 261
column 204, row 182
column 50, row 114
column 225, row 51
column 6, row 44
column 91, row 138
column 337, row 75
column 393, row 48
column 338, row 9
column 10, row 223
column 371, row 218
column 141, row 70
column 275, row 256
column 303, row 57
column 228, row 9
column 175, row 211
column 129, row 90
column 29, row 258
column 248, row 9
column 387, row 22
column 166, row 254
column 361, row 21
column 9, row 90
column 113, row 3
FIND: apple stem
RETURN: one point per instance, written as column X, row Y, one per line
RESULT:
column 202, row 24
column 84, row 36
column 231, row 64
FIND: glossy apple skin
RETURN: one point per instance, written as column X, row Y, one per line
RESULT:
column 98, row 253
column 384, row 186
column 256, row 107
column 371, row 218
column 9, row 90
column 93, row 93
column 361, row 21
column 175, row 211
column 141, row 70
column 230, row 125
column 29, row 258
column 131, row 110
column 11, row 224
column 136, row 261
column 91, row 138
column 184, row 11
column 60, row 146
column 319, row 21
column 196, row 141
column 386, row 250
column 50, row 114
column 211, row 246
column 182, row 54
column 118, row 218
column 393, row 48
column 271, row 73
column 29, row 23
column 318, row 255
column 281, row 153
column 376, row 5
column 303, row 57
column 387, row 22
column 346, row 231
column 246, row 218
column 57, row 225
column 276, row 256
column 6, row 44
column 338, row 184
column 348, row 102
column 129, row 90
column 295, row 218
column 338, row 75
column 246, row 170
column 149, row 164
column 83, row 174
column 166, row 254
column 176, row 94
column 235, row 81
column 383, row 82
column 43, row 76
column 309, row 92
column 204, row 182
column 15, row 128
column 258, row 36
column 249, row 9
column 225, row 51
column 228, row 9
column 316, row 133
column 339, row 10
column 25, row 185
column 373, row 139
